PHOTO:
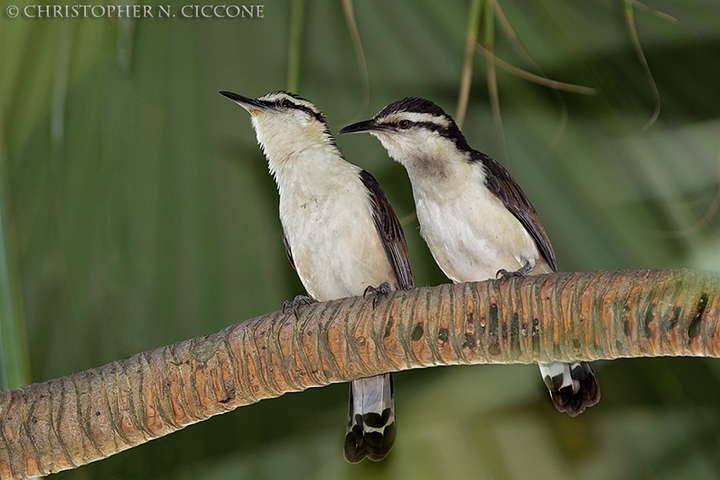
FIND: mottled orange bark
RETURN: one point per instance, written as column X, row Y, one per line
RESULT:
column 67, row 422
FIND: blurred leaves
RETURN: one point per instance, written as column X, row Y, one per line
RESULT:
column 145, row 215
column 14, row 354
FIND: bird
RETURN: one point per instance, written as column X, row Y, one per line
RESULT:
column 474, row 217
column 341, row 236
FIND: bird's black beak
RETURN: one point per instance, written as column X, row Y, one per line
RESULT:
column 360, row 127
column 248, row 104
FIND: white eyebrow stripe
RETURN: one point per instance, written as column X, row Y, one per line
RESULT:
column 277, row 97
column 417, row 117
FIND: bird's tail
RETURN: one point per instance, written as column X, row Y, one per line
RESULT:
column 573, row 386
column 371, row 427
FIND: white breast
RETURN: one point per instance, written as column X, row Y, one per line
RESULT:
column 326, row 215
column 469, row 231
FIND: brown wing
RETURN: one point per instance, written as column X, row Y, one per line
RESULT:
column 288, row 252
column 501, row 183
column 390, row 231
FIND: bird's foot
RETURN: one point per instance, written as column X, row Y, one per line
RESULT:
column 376, row 292
column 298, row 302
column 520, row 272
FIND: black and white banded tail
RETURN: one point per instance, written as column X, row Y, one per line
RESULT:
column 573, row 386
column 371, row 428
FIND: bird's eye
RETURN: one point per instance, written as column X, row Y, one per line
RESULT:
column 287, row 103
column 404, row 124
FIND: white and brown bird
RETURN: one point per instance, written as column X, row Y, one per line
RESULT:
column 474, row 217
column 341, row 236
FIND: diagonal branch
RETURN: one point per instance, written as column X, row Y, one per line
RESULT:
column 87, row 416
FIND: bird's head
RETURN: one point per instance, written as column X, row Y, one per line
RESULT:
column 284, row 121
column 415, row 132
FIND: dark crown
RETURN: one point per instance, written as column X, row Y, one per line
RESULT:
column 414, row 104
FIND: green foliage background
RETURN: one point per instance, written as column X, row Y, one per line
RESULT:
column 137, row 211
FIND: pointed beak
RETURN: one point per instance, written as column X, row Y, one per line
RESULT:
column 249, row 104
column 360, row 127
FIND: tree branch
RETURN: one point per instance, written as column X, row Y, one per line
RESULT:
column 87, row 416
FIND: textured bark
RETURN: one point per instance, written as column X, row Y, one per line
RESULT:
column 74, row 420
